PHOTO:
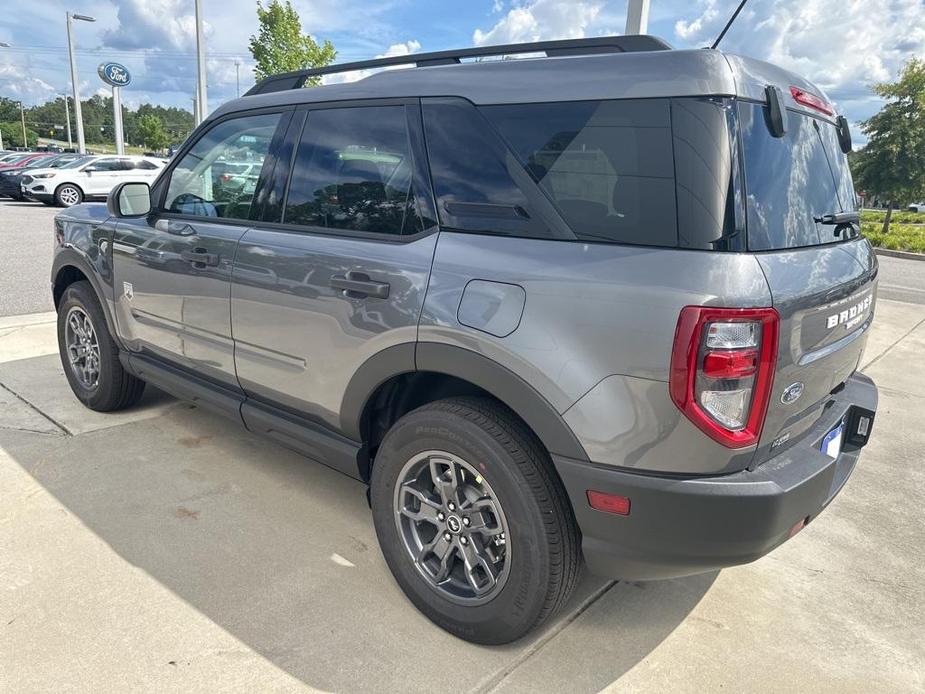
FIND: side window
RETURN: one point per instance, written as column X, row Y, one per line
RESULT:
column 201, row 185
column 145, row 165
column 107, row 165
column 606, row 165
column 353, row 172
column 471, row 171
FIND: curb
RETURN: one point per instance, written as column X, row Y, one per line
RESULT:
column 907, row 255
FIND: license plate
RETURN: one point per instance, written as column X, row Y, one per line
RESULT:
column 831, row 444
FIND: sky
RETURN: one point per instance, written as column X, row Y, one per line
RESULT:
column 841, row 45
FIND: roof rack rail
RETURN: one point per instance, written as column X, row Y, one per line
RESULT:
column 603, row 44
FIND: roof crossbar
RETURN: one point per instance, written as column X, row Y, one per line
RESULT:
column 603, row 44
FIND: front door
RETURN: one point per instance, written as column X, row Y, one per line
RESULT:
column 101, row 176
column 343, row 275
column 173, row 267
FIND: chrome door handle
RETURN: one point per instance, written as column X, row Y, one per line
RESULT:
column 175, row 228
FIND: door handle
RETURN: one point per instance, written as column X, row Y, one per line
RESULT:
column 175, row 228
column 200, row 258
column 357, row 285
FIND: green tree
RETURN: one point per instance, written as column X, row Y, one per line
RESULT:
column 12, row 134
column 892, row 165
column 153, row 134
column 280, row 45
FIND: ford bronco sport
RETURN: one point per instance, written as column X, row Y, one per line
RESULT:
column 605, row 304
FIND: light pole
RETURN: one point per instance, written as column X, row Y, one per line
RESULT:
column 237, row 77
column 78, row 116
column 3, row 44
column 637, row 16
column 200, row 66
column 67, row 118
column 22, row 117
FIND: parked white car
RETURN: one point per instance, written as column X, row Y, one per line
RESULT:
column 917, row 207
column 92, row 179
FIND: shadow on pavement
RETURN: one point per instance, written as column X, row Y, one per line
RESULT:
column 281, row 553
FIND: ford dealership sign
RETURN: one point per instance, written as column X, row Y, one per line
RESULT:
column 114, row 74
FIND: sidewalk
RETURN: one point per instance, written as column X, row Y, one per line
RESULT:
column 165, row 549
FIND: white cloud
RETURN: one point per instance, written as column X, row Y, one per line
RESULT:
column 841, row 45
column 30, row 90
column 539, row 20
column 396, row 49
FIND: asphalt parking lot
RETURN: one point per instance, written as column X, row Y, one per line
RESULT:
column 166, row 549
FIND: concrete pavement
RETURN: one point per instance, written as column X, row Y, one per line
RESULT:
column 166, row 549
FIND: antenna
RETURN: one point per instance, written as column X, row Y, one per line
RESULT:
column 728, row 24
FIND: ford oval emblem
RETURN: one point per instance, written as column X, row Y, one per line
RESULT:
column 792, row 393
column 114, row 74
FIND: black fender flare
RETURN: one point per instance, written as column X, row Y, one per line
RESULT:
column 70, row 257
column 495, row 379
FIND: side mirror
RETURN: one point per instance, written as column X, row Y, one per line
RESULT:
column 90, row 169
column 129, row 199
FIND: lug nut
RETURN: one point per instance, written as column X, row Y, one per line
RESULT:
column 441, row 516
column 451, row 506
column 447, row 537
column 466, row 521
column 464, row 540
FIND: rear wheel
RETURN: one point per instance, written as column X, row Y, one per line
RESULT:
column 68, row 195
column 472, row 522
column 89, row 355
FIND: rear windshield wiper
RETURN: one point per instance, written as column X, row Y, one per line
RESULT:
column 840, row 220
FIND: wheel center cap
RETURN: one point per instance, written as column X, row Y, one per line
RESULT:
column 453, row 524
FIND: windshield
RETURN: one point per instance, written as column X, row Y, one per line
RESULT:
column 793, row 181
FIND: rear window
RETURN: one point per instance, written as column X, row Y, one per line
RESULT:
column 793, row 180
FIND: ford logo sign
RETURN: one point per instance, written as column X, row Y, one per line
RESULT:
column 792, row 393
column 114, row 74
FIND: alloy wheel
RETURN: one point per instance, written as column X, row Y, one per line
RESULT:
column 69, row 195
column 83, row 348
column 453, row 527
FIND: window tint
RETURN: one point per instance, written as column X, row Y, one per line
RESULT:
column 107, row 165
column 789, row 181
column 606, row 165
column 471, row 171
column 144, row 165
column 353, row 172
column 711, row 206
column 198, row 185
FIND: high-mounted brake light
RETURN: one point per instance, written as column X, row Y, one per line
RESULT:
column 801, row 96
column 722, row 369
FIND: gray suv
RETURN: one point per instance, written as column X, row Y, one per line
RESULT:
column 605, row 305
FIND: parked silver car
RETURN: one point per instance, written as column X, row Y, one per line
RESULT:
column 606, row 304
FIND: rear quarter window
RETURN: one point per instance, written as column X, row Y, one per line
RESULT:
column 607, row 166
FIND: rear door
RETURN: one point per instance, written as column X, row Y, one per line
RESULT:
column 339, row 271
column 822, row 277
column 173, row 267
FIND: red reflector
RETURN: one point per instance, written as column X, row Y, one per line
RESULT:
column 809, row 99
column 731, row 363
column 609, row 503
column 797, row 527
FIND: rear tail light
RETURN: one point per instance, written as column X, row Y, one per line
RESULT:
column 801, row 96
column 722, row 367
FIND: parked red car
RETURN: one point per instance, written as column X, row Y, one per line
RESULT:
column 10, row 162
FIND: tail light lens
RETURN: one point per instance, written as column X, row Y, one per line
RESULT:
column 722, row 368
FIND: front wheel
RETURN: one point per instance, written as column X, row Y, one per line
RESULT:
column 89, row 355
column 472, row 521
column 68, row 195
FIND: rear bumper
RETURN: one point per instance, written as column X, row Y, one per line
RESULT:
column 678, row 527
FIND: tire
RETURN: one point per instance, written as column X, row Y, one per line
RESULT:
column 68, row 195
column 113, row 388
column 497, row 458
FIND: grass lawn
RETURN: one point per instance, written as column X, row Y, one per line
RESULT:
column 907, row 230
